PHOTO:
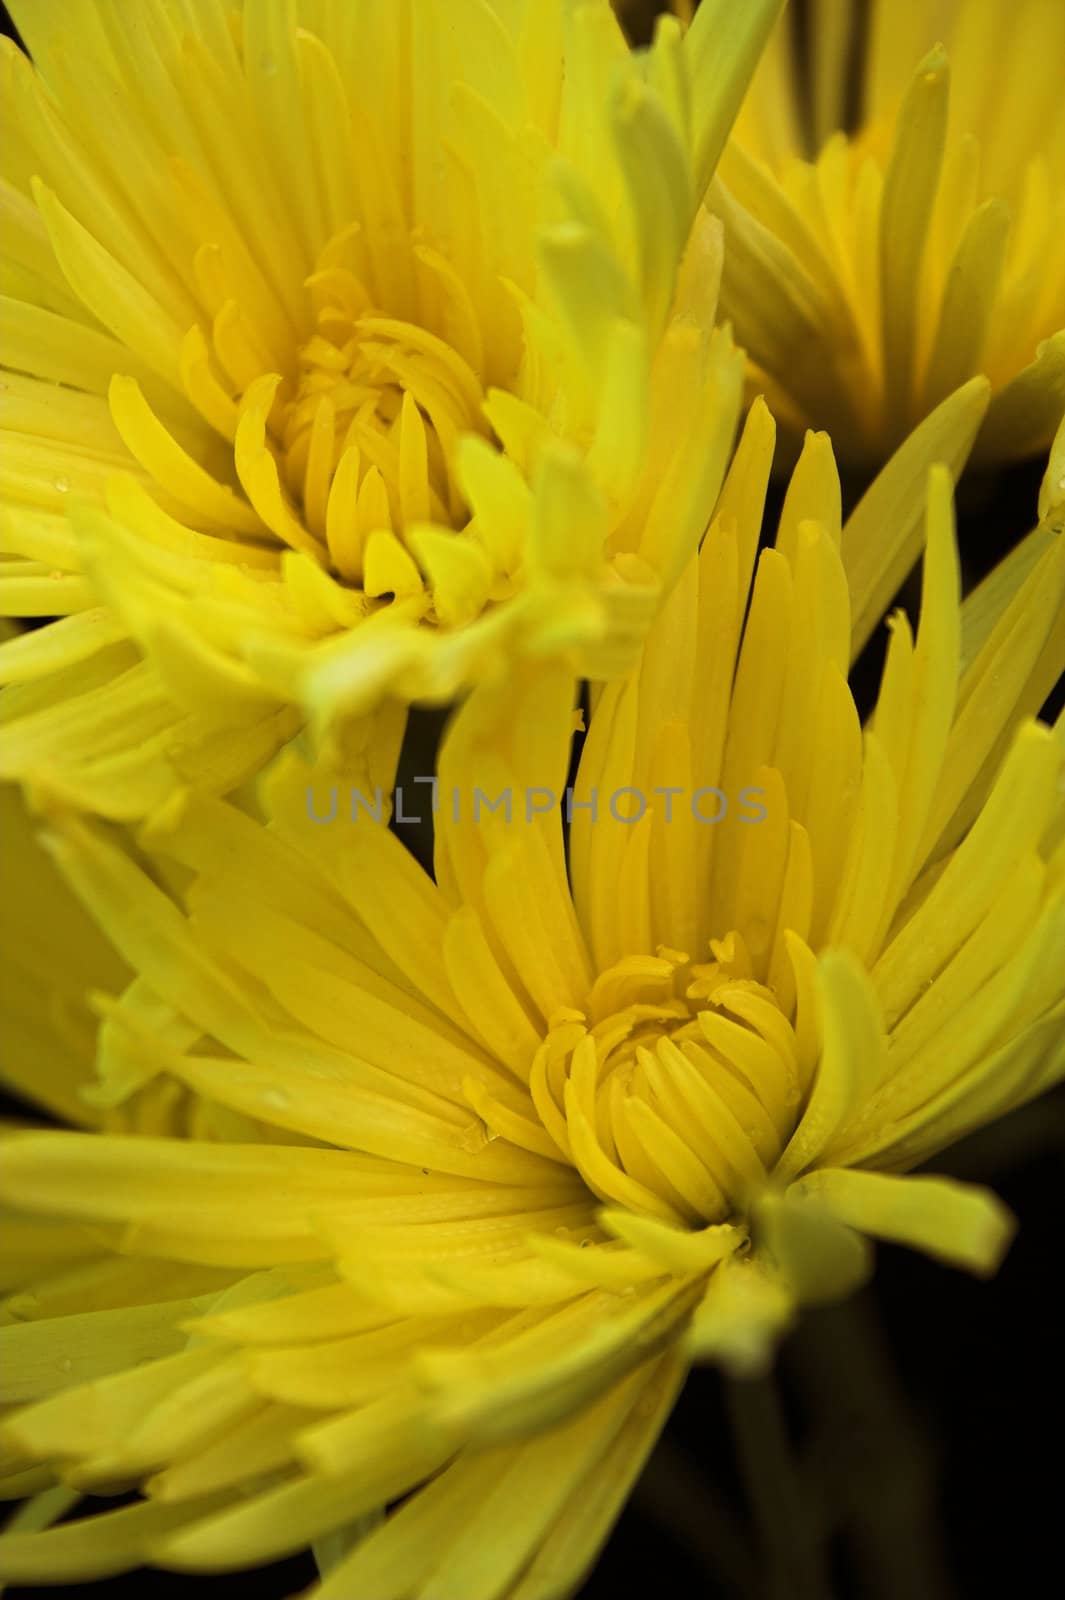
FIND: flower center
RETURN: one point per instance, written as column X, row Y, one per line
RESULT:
column 677, row 1092
column 364, row 431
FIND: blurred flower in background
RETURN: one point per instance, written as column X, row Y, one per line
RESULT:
column 894, row 204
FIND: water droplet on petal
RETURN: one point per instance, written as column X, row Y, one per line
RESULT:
column 276, row 1099
column 62, row 484
column 475, row 1137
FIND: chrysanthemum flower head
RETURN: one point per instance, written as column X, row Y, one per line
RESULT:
column 346, row 343
column 869, row 275
column 435, row 1185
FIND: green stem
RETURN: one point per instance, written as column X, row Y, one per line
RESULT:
column 876, row 1469
column 789, row 1537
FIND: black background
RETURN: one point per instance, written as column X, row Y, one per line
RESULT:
column 920, row 1421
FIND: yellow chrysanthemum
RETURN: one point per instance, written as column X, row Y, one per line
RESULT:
column 868, row 276
column 462, row 1174
column 345, row 347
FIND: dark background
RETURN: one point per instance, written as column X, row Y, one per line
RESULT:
column 908, row 1442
